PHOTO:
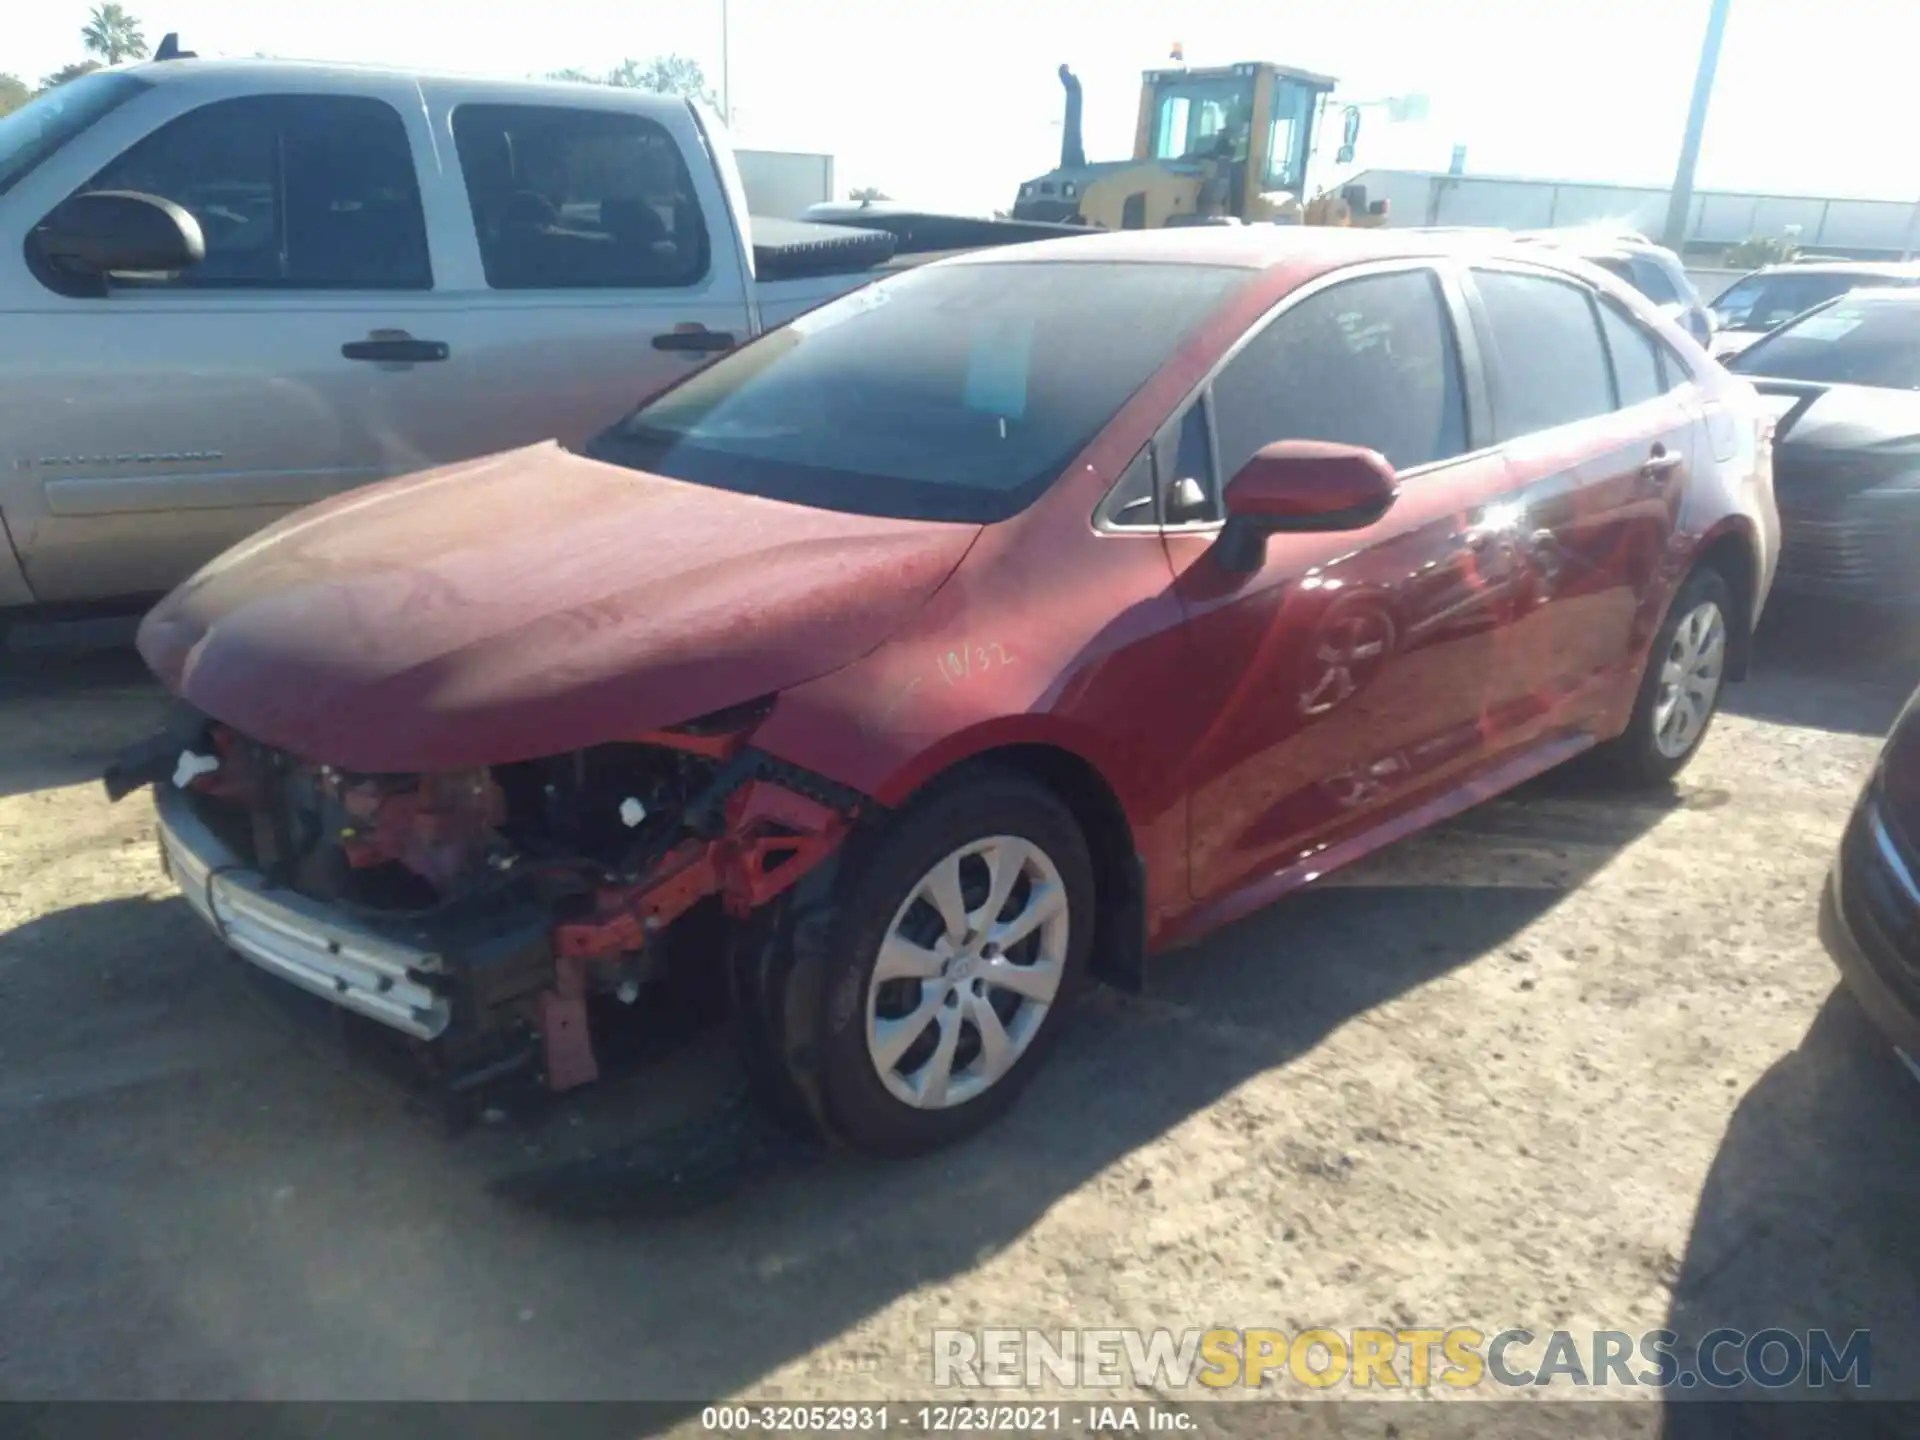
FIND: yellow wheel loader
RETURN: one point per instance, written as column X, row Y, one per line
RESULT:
column 1218, row 145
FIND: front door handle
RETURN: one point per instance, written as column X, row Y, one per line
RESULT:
column 1662, row 462
column 395, row 347
column 695, row 338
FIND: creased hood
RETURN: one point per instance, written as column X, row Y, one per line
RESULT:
column 530, row 604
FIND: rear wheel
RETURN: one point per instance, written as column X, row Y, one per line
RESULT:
column 956, row 943
column 1681, row 687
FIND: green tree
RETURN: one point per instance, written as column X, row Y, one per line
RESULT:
column 866, row 193
column 68, row 72
column 112, row 34
column 664, row 75
column 13, row 93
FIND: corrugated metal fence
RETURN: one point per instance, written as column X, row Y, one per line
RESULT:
column 1720, row 217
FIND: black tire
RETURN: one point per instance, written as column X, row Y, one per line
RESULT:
column 831, row 942
column 1634, row 759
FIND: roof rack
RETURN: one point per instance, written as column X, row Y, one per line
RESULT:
column 170, row 48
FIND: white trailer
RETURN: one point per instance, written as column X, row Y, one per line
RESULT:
column 784, row 184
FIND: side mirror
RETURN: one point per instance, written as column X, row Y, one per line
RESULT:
column 1302, row 486
column 120, row 231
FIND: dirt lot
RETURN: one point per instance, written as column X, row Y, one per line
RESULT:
column 1571, row 1062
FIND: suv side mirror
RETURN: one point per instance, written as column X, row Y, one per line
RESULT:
column 1297, row 486
column 112, row 231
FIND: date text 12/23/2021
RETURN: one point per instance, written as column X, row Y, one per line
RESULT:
column 942, row 1419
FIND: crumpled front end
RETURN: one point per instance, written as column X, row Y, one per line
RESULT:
column 481, row 911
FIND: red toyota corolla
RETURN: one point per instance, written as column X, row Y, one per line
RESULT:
column 974, row 636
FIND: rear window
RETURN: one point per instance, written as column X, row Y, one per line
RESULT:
column 1857, row 340
column 40, row 127
column 951, row 393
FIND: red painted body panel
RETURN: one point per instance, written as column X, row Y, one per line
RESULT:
column 1255, row 729
column 528, row 605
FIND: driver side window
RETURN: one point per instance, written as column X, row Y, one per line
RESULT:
column 291, row 192
column 1370, row 361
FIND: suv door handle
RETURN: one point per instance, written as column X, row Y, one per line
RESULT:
column 695, row 338
column 395, row 347
column 1661, row 462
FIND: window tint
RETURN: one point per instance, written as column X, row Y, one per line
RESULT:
column 1365, row 362
column 1132, row 502
column 1652, row 281
column 295, row 192
column 1547, row 352
column 1857, row 340
column 1760, row 302
column 1190, row 480
column 1636, row 361
column 950, row 393
column 578, row 199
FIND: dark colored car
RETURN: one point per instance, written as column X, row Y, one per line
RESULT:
column 1844, row 381
column 974, row 635
column 1870, row 909
column 1767, row 299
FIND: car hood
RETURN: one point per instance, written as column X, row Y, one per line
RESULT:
column 1729, row 343
column 530, row 604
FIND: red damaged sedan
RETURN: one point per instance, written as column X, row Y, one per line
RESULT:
column 973, row 637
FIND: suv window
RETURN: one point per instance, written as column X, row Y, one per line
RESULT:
column 1548, row 355
column 1369, row 361
column 1650, row 278
column 568, row 199
column 1760, row 302
column 292, row 192
column 52, row 118
column 1636, row 360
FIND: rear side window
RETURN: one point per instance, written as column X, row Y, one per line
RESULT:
column 567, row 199
column 1369, row 361
column 292, row 192
column 1548, row 357
column 1636, row 361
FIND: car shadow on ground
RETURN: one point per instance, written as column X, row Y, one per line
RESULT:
column 1811, row 1196
column 228, row 1202
column 1829, row 667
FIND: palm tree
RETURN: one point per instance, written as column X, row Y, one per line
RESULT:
column 112, row 34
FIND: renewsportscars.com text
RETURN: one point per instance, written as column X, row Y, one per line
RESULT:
column 1459, row 1357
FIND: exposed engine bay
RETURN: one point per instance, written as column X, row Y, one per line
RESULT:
column 539, row 883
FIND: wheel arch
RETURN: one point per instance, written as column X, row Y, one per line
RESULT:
column 1732, row 549
column 1120, row 881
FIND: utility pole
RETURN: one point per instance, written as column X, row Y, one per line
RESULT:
column 726, row 89
column 1680, row 202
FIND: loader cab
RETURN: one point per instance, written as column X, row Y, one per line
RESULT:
column 1254, row 122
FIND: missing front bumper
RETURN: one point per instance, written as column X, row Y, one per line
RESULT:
column 300, row 940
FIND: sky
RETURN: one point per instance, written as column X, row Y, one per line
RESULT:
column 951, row 105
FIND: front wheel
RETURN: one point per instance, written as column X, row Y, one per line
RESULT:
column 1681, row 687
column 957, row 942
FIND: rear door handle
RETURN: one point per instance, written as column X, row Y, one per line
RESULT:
column 395, row 347
column 695, row 338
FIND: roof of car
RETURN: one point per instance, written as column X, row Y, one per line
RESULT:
column 285, row 73
column 1894, row 269
column 1258, row 247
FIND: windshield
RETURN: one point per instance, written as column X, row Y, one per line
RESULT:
column 951, row 393
column 1857, row 340
column 1203, row 117
column 1761, row 302
column 44, row 124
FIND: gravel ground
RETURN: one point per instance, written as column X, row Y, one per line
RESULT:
column 1570, row 1062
